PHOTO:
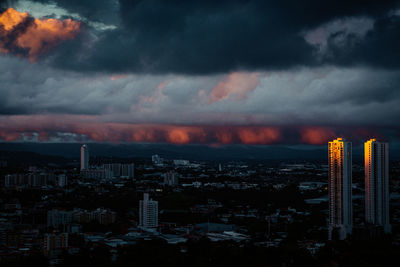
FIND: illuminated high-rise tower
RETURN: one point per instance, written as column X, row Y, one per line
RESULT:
column 84, row 157
column 340, row 185
column 376, row 158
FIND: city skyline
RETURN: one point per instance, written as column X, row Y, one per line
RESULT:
column 271, row 207
column 199, row 133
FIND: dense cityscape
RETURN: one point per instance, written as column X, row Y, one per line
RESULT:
column 103, row 211
column 199, row 133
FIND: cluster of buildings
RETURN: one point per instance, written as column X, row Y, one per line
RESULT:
column 57, row 218
column 48, row 233
column 35, row 179
column 376, row 161
column 207, row 191
column 107, row 171
column 161, row 162
column 65, row 223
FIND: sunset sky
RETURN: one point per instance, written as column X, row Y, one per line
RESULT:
column 201, row 71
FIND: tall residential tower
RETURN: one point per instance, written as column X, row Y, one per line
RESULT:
column 340, row 185
column 84, row 157
column 376, row 158
column 148, row 212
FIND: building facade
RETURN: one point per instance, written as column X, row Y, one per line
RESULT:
column 115, row 170
column 84, row 157
column 340, row 187
column 53, row 242
column 148, row 212
column 376, row 159
column 128, row 170
column 171, row 178
column 58, row 218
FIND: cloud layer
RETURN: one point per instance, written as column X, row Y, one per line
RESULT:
column 304, row 105
column 78, row 128
column 242, row 71
column 203, row 37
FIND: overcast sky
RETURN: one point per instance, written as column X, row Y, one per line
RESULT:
column 206, row 71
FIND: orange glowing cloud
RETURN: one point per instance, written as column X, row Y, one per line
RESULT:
column 224, row 136
column 22, row 35
column 316, row 135
column 259, row 135
column 185, row 135
column 8, row 136
column 11, row 18
column 236, row 85
column 45, row 126
column 118, row 77
column 84, row 127
column 178, row 136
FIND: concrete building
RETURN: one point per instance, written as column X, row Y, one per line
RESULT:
column 181, row 162
column 84, row 157
column 339, row 187
column 28, row 180
column 171, row 178
column 94, row 174
column 57, row 218
column 54, row 241
column 62, row 180
column 148, row 212
column 376, row 159
column 115, row 170
column 128, row 170
column 100, row 215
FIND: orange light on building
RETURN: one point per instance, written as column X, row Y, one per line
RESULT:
column 340, row 187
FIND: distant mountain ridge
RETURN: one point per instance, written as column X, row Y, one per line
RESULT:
column 192, row 152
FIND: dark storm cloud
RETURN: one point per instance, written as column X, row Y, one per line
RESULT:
column 98, row 10
column 200, row 37
column 380, row 47
column 289, row 12
column 3, row 4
